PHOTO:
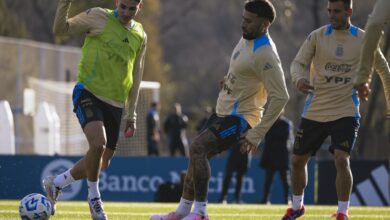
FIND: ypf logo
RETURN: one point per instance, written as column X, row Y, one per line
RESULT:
column 59, row 166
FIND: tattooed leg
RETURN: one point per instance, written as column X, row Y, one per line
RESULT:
column 188, row 188
column 203, row 147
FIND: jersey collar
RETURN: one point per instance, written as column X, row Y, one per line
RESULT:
column 352, row 29
column 261, row 41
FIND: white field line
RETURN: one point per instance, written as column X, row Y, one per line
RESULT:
column 72, row 213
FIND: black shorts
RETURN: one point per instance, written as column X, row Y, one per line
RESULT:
column 311, row 135
column 89, row 108
column 229, row 130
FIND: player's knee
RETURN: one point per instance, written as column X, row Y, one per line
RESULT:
column 298, row 162
column 105, row 164
column 98, row 144
column 342, row 162
column 197, row 149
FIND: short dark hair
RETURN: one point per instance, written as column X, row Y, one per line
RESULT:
column 263, row 8
column 347, row 3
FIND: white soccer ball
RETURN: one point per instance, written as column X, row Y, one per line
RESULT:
column 35, row 206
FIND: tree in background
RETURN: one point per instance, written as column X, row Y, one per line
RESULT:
column 33, row 19
column 10, row 24
column 155, row 68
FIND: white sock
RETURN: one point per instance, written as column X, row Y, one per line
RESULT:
column 297, row 202
column 200, row 208
column 93, row 189
column 343, row 207
column 184, row 207
column 63, row 180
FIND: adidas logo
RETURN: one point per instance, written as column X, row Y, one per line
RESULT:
column 373, row 191
column 267, row 66
column 125, row 40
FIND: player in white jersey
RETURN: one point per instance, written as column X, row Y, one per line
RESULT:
column 379, row 17
column 332, row 105
column 255, row 76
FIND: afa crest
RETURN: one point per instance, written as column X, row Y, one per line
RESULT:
column 339, row 51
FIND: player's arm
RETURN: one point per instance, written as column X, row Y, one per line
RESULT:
column 382, row 68
column 132, row 98
column 274, row 82
column 290, row 140
column 89, row 22
column 301, row 63
column 373, row 31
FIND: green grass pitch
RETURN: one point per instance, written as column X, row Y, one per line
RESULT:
column 142, row 211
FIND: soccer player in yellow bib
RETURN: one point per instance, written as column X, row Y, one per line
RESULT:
column 332, row 105
column 110, row 73
column 379, row 17
column 255, row 76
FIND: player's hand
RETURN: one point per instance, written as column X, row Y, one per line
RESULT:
column 246, row 146
column 388, row 116
column 304, row 86
column 363, row 91
column 129, row 129
column 156, row 136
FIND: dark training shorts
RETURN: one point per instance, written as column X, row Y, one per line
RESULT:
column 89, row 108
column 229, row 130
column 311, row 135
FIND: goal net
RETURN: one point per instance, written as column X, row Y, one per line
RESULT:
column 72, row 139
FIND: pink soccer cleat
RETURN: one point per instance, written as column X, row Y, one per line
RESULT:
column 340, row 216
column 292, row 214
column 195, row 216
column 169, row 216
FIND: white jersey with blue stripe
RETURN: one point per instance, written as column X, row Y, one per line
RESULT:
column 255, row 75
column 332, row 56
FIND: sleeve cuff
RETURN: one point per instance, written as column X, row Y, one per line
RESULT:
column 130, row 117
column 251, row 137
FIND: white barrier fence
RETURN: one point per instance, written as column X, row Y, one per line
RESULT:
column 7, row 133
column 46, row 130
